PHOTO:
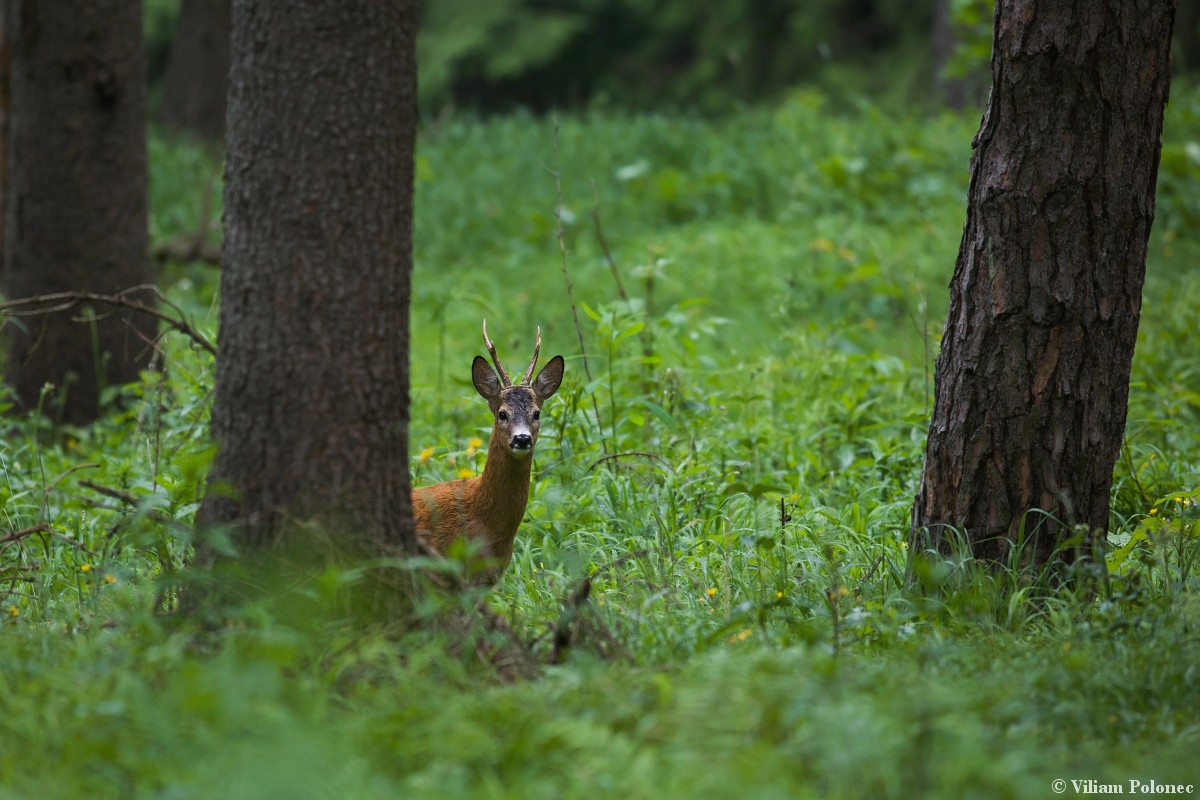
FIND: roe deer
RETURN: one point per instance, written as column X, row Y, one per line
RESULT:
column 486, row 510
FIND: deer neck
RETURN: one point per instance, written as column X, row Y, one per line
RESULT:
column 503, row 490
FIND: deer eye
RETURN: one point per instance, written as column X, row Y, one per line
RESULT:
column 502, row 415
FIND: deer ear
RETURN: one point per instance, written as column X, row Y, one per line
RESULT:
column 485, row 379
column 549, row 379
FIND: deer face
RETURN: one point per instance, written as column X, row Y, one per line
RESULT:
column 517, row 409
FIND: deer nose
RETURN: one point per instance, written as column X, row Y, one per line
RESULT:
column 522, row 441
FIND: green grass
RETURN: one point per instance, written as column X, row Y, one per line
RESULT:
column 785, row 273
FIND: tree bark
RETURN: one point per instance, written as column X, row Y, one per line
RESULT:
column 197, row 77
column 1032, row 379
column 75, row 204
column 311, row 406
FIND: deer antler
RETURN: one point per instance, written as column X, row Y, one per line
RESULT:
column 537, row 346
column 491, row 348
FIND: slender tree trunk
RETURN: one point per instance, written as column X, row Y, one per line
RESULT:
column 1033, row 375
column 1187, row 37
column 951, row 90
column 75, row 203
column 5, row 116
column 311, row 406
column 197, row 77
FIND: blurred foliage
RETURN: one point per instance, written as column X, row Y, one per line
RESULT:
column 643, row 53
column 674, row 54
column 159, row 22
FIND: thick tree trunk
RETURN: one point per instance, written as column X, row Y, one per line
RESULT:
column 311, row 407
column 1033, row 375
column 197, row 77
column 76, row 196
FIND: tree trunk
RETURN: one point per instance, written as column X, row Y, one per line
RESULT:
column 76, row 197
column 5, row 116
column 1033, row 376
column 950, row 90
column 311, row 407
column 197, row 76
column 1187, row 38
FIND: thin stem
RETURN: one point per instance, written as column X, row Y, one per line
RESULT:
column 562, row 249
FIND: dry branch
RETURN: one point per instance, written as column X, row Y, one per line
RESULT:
column 63, row 301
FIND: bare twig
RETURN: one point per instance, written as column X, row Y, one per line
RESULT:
column 62, row 301
column 628, row 454
column 612, row 264
column 134, row 502
column 43, row 528
column 50, row 486
column 562, row 249
column 870, row 572
column 16, row 536
column 125, row 497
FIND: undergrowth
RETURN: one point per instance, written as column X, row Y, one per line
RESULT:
column 732, row 483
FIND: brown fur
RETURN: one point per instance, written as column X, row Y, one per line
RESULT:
column 487, row 510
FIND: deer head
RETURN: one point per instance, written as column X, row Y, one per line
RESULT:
column 516, row 407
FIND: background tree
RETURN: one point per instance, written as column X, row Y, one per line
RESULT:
column 1033, row 375
column 311, row 406
column 196, row 79
column 5, row 115
column 75, row 210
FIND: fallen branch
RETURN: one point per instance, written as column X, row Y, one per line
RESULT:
column 43, row 528
column 16, row 536
column 63, row 301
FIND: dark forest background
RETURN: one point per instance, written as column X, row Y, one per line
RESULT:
column 677, row 54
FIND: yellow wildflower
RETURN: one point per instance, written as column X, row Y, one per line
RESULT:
column 14, row 612
column 109, row 579
column 475, row 443
column 466, row 472
column 426, row 454
column 710, row 592
column 779, row 595
column 86, row 568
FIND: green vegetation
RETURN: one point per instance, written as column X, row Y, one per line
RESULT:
column 732, row 467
